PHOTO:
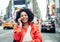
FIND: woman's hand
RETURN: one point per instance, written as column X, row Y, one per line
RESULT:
column 20, row 23
column 19, row 20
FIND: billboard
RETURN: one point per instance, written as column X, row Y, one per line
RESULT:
column 19, row 2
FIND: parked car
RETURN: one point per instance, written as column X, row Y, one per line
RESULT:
column 48, row 26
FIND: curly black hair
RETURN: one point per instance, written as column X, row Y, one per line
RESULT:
column 29, row 13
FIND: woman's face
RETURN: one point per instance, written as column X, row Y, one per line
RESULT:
column 24, row 17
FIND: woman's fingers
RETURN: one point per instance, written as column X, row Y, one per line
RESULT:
column 19, row 20
column 20, row 23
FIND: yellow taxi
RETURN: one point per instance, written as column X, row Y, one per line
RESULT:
column 8, row 25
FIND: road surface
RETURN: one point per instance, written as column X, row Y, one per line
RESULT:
column 6, row 36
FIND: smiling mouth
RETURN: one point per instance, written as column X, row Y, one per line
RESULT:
column 23, row 19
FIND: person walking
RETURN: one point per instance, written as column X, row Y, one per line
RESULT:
column 24, row 29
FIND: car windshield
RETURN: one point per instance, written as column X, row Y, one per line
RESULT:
column 46, row 21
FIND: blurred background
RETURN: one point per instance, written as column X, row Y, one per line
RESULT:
column 46, row 15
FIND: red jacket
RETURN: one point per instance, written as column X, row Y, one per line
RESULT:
column 35, row 33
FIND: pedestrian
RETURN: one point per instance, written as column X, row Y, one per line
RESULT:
column 24, row 29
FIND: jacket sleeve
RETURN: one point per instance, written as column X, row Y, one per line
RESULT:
column 17, row 33
column 37, row 35
column 16, row 29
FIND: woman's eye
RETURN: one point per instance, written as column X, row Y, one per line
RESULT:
column 25, row 15
column 21, row 15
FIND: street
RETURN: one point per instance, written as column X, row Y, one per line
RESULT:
column 7, row 36
column 51, row 37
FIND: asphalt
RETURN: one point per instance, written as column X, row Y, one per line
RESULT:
column 7, row 36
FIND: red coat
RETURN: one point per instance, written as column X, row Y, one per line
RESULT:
column 35, row 33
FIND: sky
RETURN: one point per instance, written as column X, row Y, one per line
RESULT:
column 43, row 8
column 3, row 5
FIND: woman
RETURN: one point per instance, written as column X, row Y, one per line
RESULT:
column 25, row 30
